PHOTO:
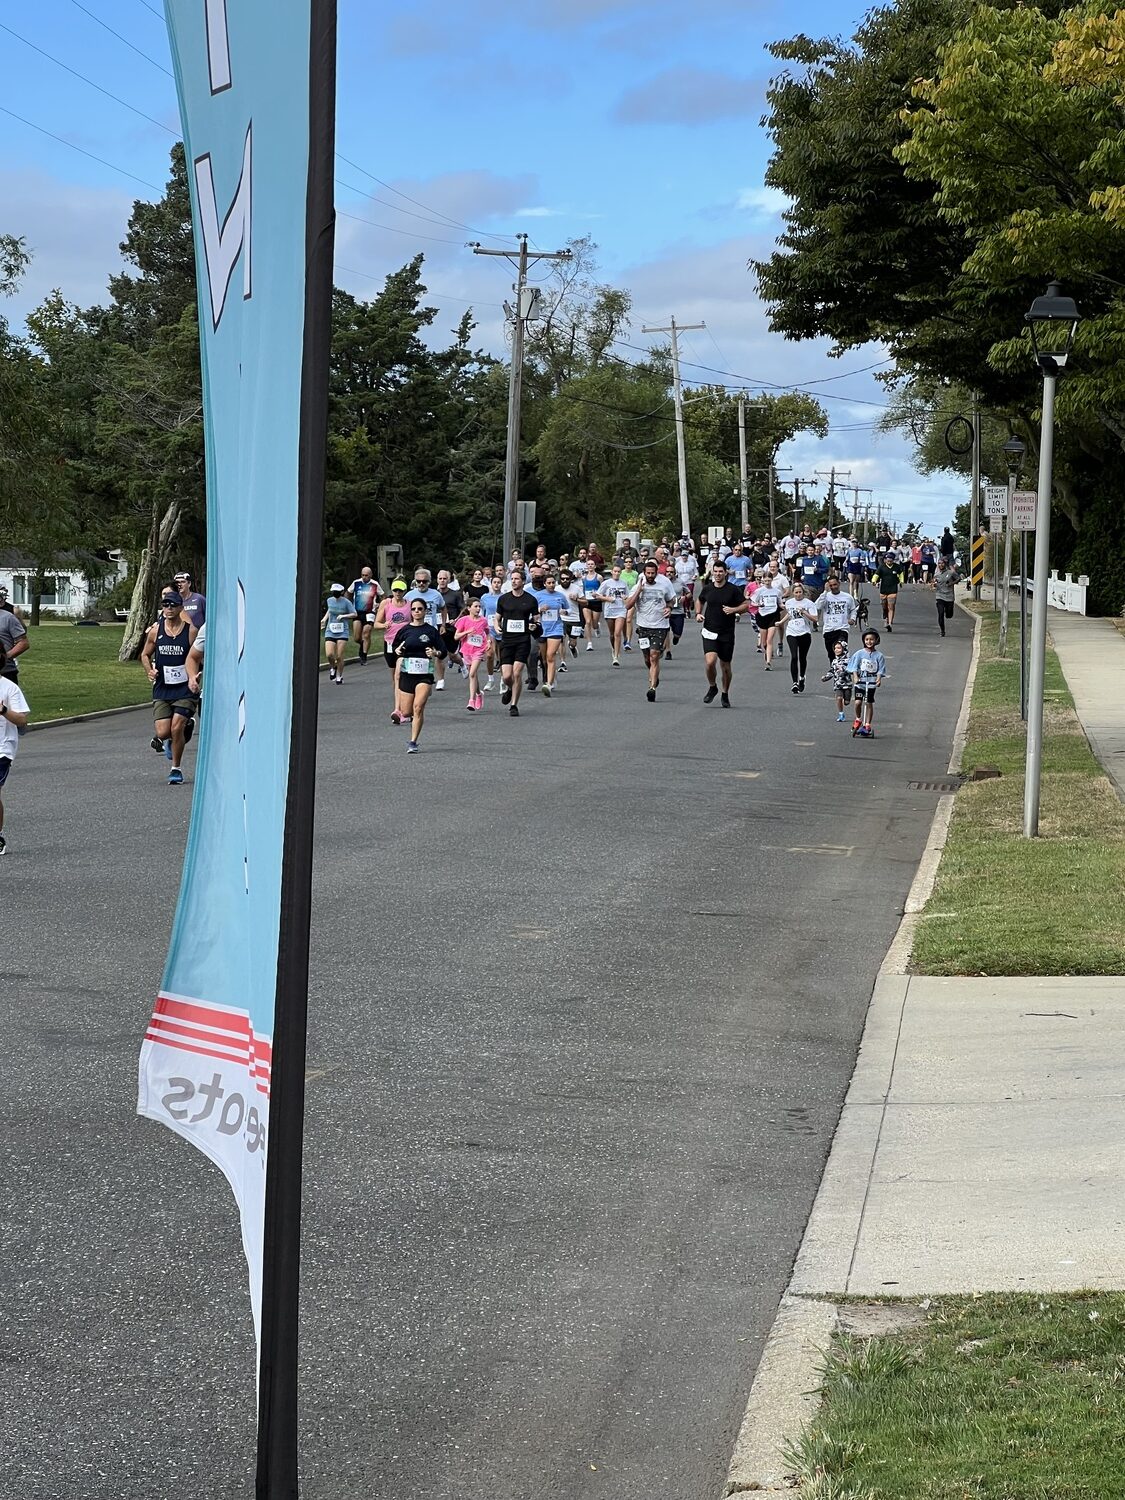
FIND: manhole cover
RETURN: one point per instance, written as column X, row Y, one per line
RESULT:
column 949, row 785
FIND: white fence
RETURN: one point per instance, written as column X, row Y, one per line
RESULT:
column 1062, row 593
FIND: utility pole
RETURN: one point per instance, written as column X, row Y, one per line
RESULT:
column 675, row 330
column 742, row 464
column 831, row 477
column 856, row 492
column 974, row 498
column 523, row 307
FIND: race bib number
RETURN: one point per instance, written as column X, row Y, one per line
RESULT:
column 515, row 627
column 175, row 675
column 476, row 640
column 643, row 642
column 417, row 666
column 709, row 635
column 576, row 630
column 369, row 617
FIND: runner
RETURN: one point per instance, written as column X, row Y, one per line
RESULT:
column 841, row 677
column 800, row 616
column 365, row 594
column 854, row 560
column 812, row 569
column 613, row 594
column 652, row 598
column 552, row 602
column 837, row 612
column 488, row 602
column 945, row 581
column 195, row 605
column 390, row 617
column 591, row 602
column 454, row 601
column 337, row 612
column 629, row 577
column 868, row 668
column 572, row 612
column 885, row 579
column 195, row 659
column 516, row 612
column 13, row 642
column 14, row 714
column 436, row 614
column 929, row 560
column 676, row 619
column 418, row 646
column 471, row 637
column 164, row 658
column 738, row 566
column 719, row 605
column 766, row 598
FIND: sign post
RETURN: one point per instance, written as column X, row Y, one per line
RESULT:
column 1024, row 504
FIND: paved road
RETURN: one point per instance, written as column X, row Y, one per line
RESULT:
column 587, row 991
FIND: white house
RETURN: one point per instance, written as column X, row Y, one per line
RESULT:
column 74, row 582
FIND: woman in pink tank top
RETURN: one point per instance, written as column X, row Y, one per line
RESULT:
column 390, row 617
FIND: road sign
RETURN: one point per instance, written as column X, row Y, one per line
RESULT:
column 1024, row 505
column 996, row 500
column 525, row 516
column 978, row 560
column 996, row 523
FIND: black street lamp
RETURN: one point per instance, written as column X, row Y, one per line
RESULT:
column 1053, row 319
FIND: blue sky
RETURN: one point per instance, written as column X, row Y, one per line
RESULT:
column 561, row 118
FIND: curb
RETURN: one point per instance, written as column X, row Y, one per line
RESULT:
column 785, row 1394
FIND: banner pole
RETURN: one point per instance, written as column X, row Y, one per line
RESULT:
column 277, row 1469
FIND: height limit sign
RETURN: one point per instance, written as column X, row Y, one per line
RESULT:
column 1024, row 505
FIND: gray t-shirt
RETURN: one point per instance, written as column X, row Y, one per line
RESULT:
column 945, row 581
column 11, row 631
column 653, row 603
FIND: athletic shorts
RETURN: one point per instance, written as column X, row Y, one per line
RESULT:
column 656, row 636
column 514, row 648
column 767, row 622
column 5, row 767
column 573, row 630
column 408, row 681
column 892, row 595
column 594, row 604
column 865, row 692
column 676, row 626
column 389, row 657
column 844, row 693
column 722, row 647
column 164, row 708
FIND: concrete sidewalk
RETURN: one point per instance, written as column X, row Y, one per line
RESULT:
column 1092, row 656
column 979, row 1147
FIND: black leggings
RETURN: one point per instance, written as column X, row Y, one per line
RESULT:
column 798, row 652
column 830, row 639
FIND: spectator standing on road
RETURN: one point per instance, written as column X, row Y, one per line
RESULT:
column 195, row 605
column 14, row 714
column 947, row 545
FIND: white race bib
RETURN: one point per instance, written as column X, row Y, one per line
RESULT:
column 417, row 666
column 514, row 627
column 709, row 635
column 576, row 630
column 369, row 617
column 174, row 675
column 642, row 642
column 476, row 640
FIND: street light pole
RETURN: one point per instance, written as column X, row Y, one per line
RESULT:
column 1053, row 320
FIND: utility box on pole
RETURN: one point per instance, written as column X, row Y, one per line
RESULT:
column 389, row 563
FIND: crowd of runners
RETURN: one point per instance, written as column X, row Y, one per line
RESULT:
column 518, row 628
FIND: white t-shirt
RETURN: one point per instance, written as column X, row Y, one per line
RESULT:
column 800, row 612
column 614, row 591
column 652, row 601
column 11, row 696
column 837, row 611
column 200, row 642
column 766, row 599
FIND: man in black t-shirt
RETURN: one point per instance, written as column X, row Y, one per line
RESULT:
column 719, row 605
column 885, row 579
column 517, row 613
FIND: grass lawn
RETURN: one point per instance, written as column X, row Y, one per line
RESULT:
column 1003, row 904
column 72, row 669
column 995, row 1397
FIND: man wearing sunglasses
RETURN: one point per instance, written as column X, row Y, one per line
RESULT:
column 164, row 657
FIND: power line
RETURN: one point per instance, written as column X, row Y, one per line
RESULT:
column 453, row 223
column 746, row 380
column 394, row 207
column 80, row 149
column 79, row 6
column 76, row 74
column 153, row 8
column 390, row 229
column 430, row 291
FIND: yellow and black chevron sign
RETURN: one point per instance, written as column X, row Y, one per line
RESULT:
column 978, row 559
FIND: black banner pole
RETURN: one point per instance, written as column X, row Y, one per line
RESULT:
column 277, row 1472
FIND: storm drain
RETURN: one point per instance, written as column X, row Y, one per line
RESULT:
column 951, row 784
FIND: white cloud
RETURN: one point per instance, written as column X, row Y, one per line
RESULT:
column 763, row 202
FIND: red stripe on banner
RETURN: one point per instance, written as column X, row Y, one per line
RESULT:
column 236, row 1024
column 256, row 1073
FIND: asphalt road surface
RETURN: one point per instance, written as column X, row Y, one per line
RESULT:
column 586, row 993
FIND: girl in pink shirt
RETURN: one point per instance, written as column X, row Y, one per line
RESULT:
column 471, row 631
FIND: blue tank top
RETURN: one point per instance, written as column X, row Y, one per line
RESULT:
column 170, row 660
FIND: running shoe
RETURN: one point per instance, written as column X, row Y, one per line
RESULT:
column 514, row 711
column 396, row 717
column 573, row 649
column 546, row 690
column 651, row 695
column 801, row 685
column 590, row 646
column 189, row 729
column 768, row 668
column 710, row 695
column 488, row 686
column 175, row 776
column 331, row 674
column 724, row 701
column 340, row 679
column 412, row 748
column 890, row 630
column 362, row 657
column 667, row 656
column 794, row 689
column 563, row 666
column 628, row 645
column 616, row 661
column 439, row 684
column 855, row 726
column 839, row 718
column 506, row 695
column 3, row 844
column 865, row 730
column 471, row 706
column 479, row 701
column 157, row 744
